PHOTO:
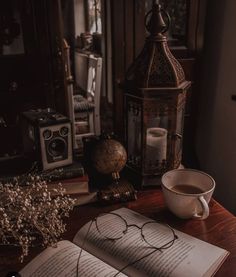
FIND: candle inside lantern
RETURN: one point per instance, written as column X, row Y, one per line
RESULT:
column 156, row 144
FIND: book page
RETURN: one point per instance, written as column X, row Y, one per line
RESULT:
column 85, row 199
column 188, row 256
column 62, row 261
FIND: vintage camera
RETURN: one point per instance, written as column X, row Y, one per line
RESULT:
column 47, row 137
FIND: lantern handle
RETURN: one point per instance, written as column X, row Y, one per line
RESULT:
column 167, row 24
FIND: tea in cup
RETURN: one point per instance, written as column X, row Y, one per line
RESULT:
column 187, row 192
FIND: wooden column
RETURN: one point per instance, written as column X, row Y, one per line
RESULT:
column 127, row 40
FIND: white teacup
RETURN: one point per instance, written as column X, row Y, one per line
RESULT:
column 187, row 192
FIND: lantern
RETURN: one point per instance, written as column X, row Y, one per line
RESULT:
column 155, row 93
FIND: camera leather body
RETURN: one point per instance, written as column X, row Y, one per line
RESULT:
column 47, row 138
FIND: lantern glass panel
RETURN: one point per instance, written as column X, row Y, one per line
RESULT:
column 179, row 130
column 156, row 138
column 134, row 134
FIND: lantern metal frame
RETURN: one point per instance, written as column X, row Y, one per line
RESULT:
column 155, row 85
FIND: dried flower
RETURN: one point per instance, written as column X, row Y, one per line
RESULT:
column 30, row 214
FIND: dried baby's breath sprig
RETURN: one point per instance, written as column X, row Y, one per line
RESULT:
column 30, row 214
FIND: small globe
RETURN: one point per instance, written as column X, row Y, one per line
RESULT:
column 109, row 156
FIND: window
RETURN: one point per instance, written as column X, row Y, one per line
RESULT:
column 94, row 22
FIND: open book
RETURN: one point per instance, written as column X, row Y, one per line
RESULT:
column 187, row 256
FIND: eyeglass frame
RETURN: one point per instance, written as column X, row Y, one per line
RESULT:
column 170, row 243
column 140, row 228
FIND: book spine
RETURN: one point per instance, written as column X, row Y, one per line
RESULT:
column 68, row 172
column 64, row 173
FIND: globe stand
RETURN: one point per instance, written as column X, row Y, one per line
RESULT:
column 116, row 177
column 118, row 191
column 109, row 158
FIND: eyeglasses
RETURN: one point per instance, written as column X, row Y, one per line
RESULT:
column 112, row 226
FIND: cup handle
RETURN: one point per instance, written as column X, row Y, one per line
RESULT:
column 205, row 209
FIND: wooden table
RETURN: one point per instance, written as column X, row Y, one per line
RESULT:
column 219, row 228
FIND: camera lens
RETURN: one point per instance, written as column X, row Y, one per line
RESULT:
column 64, row 131
column 56, row 147
column 47, row 134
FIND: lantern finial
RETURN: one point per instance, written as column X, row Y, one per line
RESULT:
column 156, row 25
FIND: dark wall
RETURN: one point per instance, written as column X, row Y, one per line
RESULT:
column 216, row 133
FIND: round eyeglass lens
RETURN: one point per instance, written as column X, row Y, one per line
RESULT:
column 158, row 235
column 111, row 226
